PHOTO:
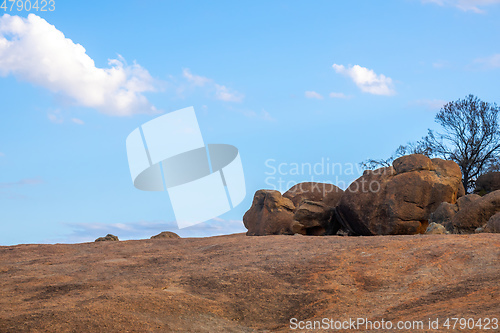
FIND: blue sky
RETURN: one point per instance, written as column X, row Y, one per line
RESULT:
column 289, row 83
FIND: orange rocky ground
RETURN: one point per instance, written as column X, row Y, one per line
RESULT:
column 237, row 283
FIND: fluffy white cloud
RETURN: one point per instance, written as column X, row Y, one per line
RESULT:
column 490, row 62
column 367, row 80
column 313, row 94
column 465, row 5
column 35, row 51
column 220, row 92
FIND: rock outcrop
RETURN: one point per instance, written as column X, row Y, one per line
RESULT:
column 165, row 235
column 476, row 214
column 235, row 283
column 108, row 237
column 487, row 183
column 446, row 211
column 270, row 214
column 306, row 208
column 398, row 200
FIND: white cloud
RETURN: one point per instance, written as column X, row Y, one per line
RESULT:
column 2, row 154
column 35, row 51
column 313, row 94
column 220, row 92
column 338, row 95
column 367, row 80
column 78, row 121
column 224, row 94
column 490, row 62
column 465, row 5
column 196, row 80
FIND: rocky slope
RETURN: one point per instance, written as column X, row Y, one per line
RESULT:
column 238, row 283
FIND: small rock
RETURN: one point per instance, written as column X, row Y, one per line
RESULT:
column 436, row 229
column 109, row 237
column 165, row 234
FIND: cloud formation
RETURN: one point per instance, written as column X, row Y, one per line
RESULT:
column 367, row 80
column 35, row 51
column 465, row 5
column 219, row 91
column 338, row 95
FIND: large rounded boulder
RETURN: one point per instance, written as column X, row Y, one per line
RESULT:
column 270, row 214
column 398, row 200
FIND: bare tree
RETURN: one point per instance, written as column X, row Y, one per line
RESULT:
column 418, row 147
column 471, row 138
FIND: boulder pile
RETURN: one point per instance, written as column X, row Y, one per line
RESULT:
column 398, row 200
column 415, row 195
